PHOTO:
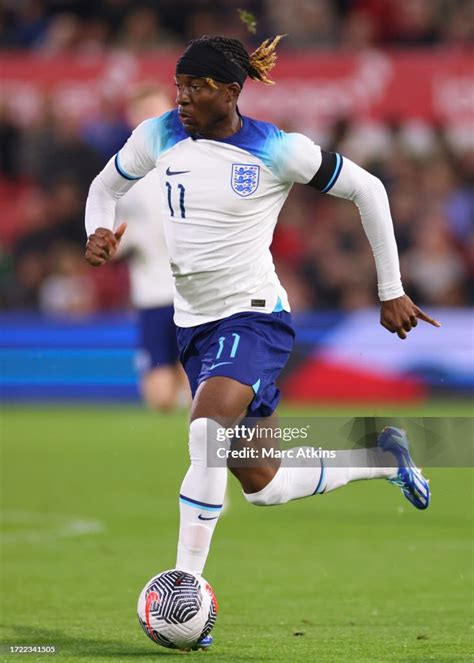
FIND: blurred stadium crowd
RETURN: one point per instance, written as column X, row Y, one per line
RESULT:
column 58, row 26
column 321, row 253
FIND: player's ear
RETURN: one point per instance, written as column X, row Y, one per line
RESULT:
column 233, row 91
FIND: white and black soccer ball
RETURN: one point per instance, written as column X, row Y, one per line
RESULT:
column 176, row 609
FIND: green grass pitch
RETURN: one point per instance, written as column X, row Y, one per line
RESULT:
column 89, row 499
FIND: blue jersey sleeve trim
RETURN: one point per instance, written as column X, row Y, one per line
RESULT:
column 122, row 172
column 335, row 175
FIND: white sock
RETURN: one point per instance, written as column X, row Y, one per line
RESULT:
column 200, row 502
column 356, row 464
column 293, row 483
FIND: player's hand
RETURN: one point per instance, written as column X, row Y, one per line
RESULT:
column 400, row 315
column 103, row 244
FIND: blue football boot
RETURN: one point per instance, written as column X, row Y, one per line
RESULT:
column 204, row 643
column 409, row 478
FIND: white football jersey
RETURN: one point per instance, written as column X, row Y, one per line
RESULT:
column 151, row 281
column 220, row 203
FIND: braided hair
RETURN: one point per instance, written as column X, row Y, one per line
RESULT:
column 257, row 65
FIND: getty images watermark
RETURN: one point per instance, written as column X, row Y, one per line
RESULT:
column 434, row 441
column 239, row 442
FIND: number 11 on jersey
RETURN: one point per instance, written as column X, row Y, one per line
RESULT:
column 172, row 195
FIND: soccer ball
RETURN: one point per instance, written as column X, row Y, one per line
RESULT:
column 176, row 609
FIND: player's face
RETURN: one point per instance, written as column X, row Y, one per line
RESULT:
column 203, row 109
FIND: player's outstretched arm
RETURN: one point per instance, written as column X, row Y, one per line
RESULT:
column 401, row 315
column 103, row 244
column 341, row 177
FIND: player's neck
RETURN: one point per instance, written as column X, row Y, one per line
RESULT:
column 225, row 128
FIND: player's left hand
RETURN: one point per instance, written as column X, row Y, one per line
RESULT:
column 400, row 315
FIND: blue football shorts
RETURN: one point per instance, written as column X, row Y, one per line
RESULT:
column 251, row 348
column 157, row 345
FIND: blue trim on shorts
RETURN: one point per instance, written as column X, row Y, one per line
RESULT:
column 278, row 306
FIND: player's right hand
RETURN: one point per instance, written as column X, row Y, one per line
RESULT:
column 103, row 244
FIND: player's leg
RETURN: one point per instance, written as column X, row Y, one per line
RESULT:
column 299, row 475
column 254, row 473
column 266, row 483
column 219, row 402
column 228, row 361
column 222, row 401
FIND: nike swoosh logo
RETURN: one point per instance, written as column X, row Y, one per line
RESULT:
column 203, row 518
column 176, row 172
column 222, row 363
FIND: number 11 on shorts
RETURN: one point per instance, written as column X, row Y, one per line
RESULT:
column 234, row 348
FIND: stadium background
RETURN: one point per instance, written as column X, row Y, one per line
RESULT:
column 387, row 83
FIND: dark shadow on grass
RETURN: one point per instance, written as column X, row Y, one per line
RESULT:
column 75, row 647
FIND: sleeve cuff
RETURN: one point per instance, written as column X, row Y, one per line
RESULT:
column 390, row 291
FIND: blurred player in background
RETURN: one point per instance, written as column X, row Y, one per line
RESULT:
column 224, row 179
column 163, row 381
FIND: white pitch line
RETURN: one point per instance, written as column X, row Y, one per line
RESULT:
column 46, row 527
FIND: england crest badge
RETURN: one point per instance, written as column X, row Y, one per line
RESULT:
column 245, row 178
